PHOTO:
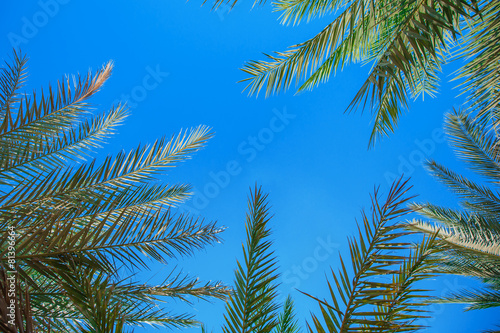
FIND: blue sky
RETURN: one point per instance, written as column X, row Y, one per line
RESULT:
column 177, row 64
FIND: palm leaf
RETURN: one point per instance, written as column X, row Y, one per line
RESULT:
column 251, row 307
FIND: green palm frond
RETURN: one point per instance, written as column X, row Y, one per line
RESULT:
column 475, row 143
column 407, row 41
column 475, row 196
column 294, row 11
column 38, row 120
column 159, row 236
column 68, row 187
column 301, row 60
column 380, row 294
column 481, row 73
column 252, row 307
column 457, row 218
column 286, row 321
column 12, row 79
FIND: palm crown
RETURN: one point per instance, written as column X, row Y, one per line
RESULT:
column 80, row 225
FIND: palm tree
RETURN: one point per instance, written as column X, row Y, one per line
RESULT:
column 469, row 236
column 74, row 232
column 407, row 41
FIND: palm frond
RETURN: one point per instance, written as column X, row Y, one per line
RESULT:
column 15, row 306
column 160, row 236
column 38, row 120
column 89, row 184
column 480, row 74
column 476, row 299
column 483, row 242
column 75, row 145
column 294, row 11
column 252, row 307
column 231, row 3
column 475, row 143
column 303, row 59
column 474, row 195
column 469, row 238
column 457, row 218
column 407, row 41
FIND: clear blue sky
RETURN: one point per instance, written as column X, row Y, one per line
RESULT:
column 178, row 63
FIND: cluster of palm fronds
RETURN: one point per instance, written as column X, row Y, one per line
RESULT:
column 252, row 306
column 407, row 42
column 470, row 236
column 380, row 295
column 81, row 224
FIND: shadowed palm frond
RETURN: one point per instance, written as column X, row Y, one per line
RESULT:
column 15, row 303
column 139, row 301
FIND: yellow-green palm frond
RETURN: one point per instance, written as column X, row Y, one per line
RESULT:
column 341, row 42
column 469, row 237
